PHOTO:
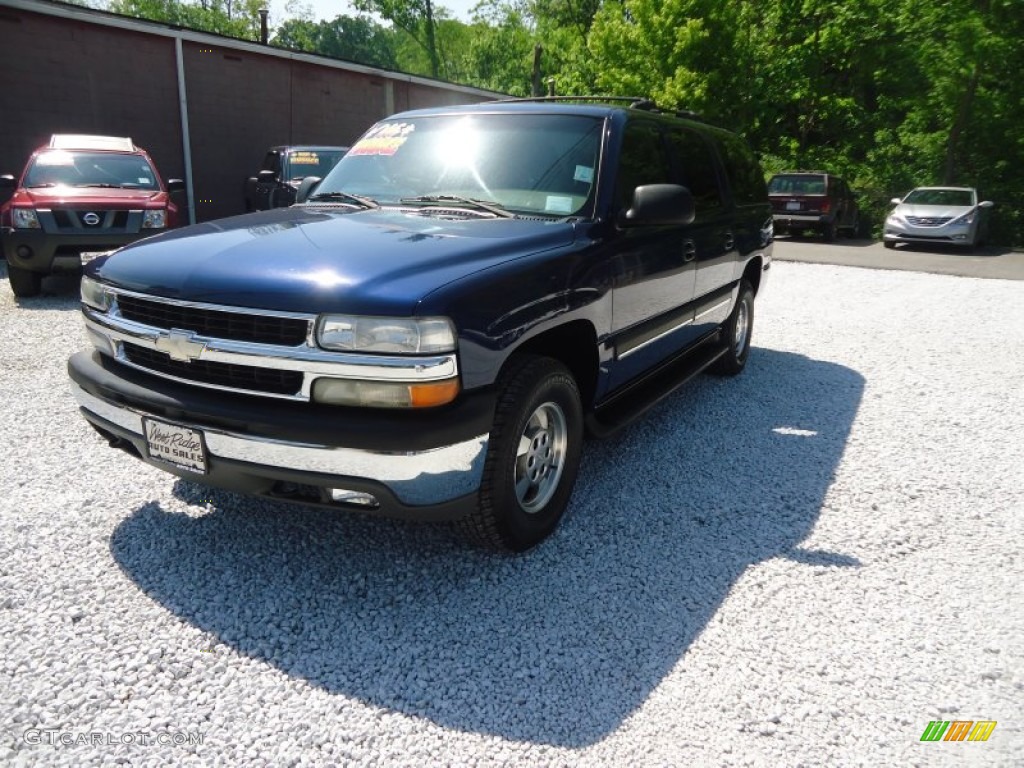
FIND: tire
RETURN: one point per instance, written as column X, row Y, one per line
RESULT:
column 533, row 457
column 24, row 282
column 829, row 231
column 889, row 244
column 738, row 330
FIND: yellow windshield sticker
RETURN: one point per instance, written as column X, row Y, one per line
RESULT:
column 383, row 139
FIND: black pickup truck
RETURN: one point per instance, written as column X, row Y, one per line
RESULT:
column 436, row 325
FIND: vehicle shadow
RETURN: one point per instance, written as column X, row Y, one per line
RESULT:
column 560, row 645
column 954, row 250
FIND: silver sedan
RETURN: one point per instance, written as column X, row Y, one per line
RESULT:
column 949, row 215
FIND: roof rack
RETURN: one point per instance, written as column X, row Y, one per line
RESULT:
column 633, row 100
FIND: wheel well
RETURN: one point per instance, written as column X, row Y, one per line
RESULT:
column 752, row 274
column 575, row 346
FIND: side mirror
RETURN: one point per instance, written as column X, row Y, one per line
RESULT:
column 659, row 205
column 306, row 188
column 266, row 177
column 7, row 181
column 987, row 204
column 175, row 185
column 896, row 201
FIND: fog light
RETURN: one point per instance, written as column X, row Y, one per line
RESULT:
column 345, row 496
column 24, row 252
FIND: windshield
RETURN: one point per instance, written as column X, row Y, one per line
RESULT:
column 797, row 185
column 524, row 163
column 91, row 169
column 300, row 163
column 950, row 197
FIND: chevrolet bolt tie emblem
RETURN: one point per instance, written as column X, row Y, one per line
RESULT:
column 180, row 346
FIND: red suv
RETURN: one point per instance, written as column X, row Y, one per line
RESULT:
column 803, row 200
column 79, row 197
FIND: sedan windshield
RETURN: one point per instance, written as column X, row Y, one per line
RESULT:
column 527, row 164
column 91, row 169
column 948, row 197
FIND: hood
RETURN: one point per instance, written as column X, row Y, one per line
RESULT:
column 297, row 259
column 932, row 211
column 92, row 197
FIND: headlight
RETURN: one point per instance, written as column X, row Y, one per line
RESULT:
column 384, row 394
column 397, row 335
column 95, row 295
column 25, row 218
column 965, row 220
column 155, row 219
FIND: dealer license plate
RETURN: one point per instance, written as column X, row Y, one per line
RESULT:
column 88, row 256
column 176, row 445
column 793, row 205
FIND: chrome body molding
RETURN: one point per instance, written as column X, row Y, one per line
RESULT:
column 110, row 330
column 415, row 478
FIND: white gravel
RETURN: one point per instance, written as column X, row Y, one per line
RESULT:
column 801, row 566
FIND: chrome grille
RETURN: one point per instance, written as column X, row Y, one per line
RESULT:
column 230, row 375
column 928, row 221
column 215, row 323
column 109, row 222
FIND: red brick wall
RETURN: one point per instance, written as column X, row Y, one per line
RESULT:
column 66, row 75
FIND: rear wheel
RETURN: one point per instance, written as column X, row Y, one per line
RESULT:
column 533, row 457
column 737, row 329
column 829, row 231
column 24, row 282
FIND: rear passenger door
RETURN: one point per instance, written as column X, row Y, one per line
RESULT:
column 712, row 232
column 654, row 266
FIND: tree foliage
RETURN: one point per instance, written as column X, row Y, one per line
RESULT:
column 235, row 18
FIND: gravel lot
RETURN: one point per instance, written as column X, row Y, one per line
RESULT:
column 802, row 566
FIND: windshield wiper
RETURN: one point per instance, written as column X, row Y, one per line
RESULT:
column 364, row 202
column 41, row 186
column 101, row 184
column 483, row 205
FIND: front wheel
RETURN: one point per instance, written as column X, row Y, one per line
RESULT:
column 737, row 329
column 24, row 282
column 533, row 457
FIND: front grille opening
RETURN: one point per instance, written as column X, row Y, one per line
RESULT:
column 228, row 375
column 215, row 323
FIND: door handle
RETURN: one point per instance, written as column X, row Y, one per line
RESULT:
column 730, row 241
column 689, row 251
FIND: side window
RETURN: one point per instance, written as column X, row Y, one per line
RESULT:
column 695, row 168
column 272, row 162
column 745, row 175
column 643, row 160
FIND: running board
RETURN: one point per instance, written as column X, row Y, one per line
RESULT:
column 639, row 397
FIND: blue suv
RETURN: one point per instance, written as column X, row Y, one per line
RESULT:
column 437, row 324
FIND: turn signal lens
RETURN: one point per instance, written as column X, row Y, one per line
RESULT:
column 384, row 394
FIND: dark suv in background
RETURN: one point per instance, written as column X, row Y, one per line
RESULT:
column 78, row 197
column 434, row 327
column 283, row 170
column 803, row 200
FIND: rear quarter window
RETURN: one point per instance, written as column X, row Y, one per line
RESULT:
column 743, row 171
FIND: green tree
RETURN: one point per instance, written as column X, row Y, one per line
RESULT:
column 354, row 38
column 234, row 18
column 417, row 18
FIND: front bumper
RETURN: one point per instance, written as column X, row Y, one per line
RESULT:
column 39, row 251
column 897, row 232
column 275, row 450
